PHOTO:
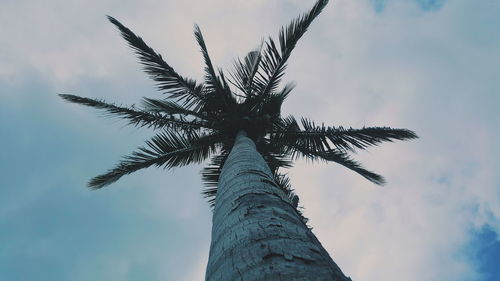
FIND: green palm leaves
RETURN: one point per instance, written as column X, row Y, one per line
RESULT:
column 199, row 121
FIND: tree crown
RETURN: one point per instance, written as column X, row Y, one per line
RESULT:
column 199, row 121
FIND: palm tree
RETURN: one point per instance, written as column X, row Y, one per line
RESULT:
column 258, row 231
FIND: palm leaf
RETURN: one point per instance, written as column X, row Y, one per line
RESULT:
column 272, row 103
column 274, row 60
column 137, row 117
column 218, row 85
column 333, row 155
column 210, row 176
column 167, row 79
column 171, row 108
column 244, row 72
column 166, row 149
column 323, row 137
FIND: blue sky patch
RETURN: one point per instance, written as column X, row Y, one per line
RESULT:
column 426, row 5
column 484, row 251
column 379, row 5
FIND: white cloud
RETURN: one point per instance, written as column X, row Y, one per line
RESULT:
column 405, row 68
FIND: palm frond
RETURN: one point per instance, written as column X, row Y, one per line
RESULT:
column 283, row 182
column 276, row 160
column 216, row 83
column 274, row 60
column 167, row 149
column 323, row 137
column 138, row 117
column 272, row 103
column 244, row 72
column 171, row 108
column 167, row 79
column 271, row 70
column 210, row 176
column 333, row 155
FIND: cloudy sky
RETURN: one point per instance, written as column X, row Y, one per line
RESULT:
column 428, row 65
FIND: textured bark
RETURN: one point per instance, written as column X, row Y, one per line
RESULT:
column 257, row 234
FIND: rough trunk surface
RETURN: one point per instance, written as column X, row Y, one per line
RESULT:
column 257, row 234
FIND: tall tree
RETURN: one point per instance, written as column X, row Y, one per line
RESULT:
column 258, row 231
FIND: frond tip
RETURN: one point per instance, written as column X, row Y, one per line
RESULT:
column 345, row 139
column 167, row 149
column 137, row 117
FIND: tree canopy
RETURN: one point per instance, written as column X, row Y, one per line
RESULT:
column 198, row 121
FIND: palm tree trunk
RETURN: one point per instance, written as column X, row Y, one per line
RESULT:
column 257, row 234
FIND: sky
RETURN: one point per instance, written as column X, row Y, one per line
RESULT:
column 428, row 65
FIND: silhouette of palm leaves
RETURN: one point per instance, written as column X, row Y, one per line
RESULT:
column 199, row 121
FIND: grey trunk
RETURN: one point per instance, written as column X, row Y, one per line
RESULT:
column 257, row 234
